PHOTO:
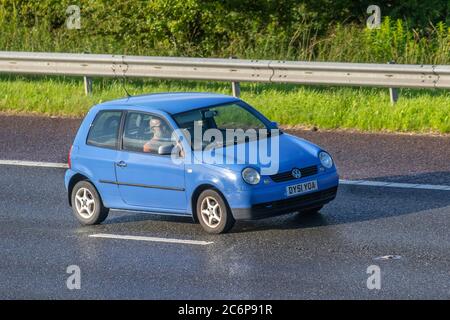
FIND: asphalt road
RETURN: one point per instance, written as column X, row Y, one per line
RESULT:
column 324, row 256
column 293, row 256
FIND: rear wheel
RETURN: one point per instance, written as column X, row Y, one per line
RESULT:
column 213, row 213
column 87, row 205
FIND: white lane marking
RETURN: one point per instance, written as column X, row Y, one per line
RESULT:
column 152, row 239
column 389, row 257
column 386, row 184
column 33, row 164
column 368, row 183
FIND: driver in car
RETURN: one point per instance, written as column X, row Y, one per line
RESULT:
column 161, row 135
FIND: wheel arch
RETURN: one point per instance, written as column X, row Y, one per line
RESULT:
column 195, row 195
column 73, row 181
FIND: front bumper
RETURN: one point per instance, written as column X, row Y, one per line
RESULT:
column 279, row 207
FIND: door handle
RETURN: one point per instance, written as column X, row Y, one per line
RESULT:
column 121, row 164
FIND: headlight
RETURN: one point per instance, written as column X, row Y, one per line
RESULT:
column 325, row 159
column 251, row 176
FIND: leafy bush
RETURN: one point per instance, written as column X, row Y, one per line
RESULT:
column 416, row 32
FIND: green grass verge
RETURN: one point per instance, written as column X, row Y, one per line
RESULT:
column 366, row 109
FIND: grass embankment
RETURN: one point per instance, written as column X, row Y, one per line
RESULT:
column 365, row 109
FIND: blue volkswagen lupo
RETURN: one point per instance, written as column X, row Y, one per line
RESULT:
column 209, row 156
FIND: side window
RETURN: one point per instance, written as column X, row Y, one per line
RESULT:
column 104, row 130
column 145, row 133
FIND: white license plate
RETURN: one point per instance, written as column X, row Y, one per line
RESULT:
column 300, row 188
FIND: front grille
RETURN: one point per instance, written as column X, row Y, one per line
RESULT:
column 287, row 175
column 298, row 201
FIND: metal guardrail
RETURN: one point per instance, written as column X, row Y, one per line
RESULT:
column 233, row 70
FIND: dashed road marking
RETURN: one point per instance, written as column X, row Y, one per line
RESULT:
column 33, row 164
column 151, row 239
column 387, row 184
column 389, row 257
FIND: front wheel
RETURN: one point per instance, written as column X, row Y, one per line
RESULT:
column 87, row 206
column 213, row 213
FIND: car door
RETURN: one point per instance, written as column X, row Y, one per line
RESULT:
column 146, row 178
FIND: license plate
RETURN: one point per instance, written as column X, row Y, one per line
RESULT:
column 301, row 188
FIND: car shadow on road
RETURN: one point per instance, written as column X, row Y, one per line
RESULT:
column 138, row 217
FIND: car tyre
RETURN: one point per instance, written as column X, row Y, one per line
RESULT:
column 87, row 206
column 213, row 213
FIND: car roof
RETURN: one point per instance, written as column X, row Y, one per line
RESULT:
column 173, row 102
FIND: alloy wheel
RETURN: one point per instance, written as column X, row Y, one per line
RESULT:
column 85, row 203
column 211, row 212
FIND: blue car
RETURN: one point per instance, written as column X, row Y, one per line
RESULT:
column 208, row 156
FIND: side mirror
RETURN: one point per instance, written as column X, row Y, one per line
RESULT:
column 274, row 124
column 165, row 150
column 169, row 149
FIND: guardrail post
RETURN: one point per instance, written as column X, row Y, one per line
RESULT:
column 393, row 92
column 88, row 85
column 235, row 86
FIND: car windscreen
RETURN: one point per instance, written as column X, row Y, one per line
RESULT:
column 233, row 122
